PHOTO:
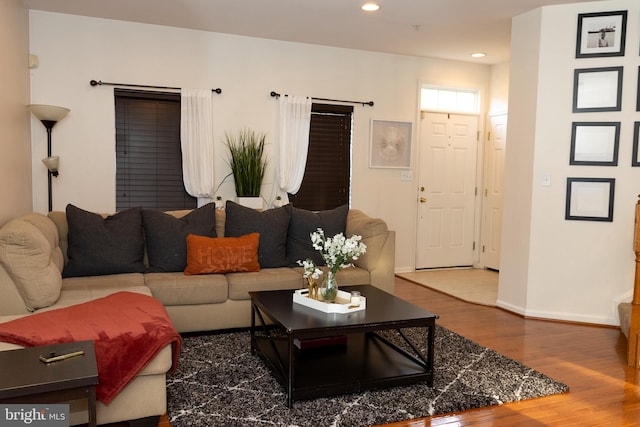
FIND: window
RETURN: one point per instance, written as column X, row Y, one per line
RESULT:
column 148, row 153
column 453, row 100
column 327, row 176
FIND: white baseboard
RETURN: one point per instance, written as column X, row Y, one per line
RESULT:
column 569, row 317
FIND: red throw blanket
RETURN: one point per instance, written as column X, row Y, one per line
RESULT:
column 128, row 330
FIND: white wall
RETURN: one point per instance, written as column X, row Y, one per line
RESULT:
column 499, row 87
column 73, row 50
column 15, row 147
column 554, row 268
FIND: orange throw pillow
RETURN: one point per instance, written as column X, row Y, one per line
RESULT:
column 206, row 255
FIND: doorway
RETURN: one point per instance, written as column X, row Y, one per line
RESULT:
column 491, row 229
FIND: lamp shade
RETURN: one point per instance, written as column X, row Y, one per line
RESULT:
column 52, row 163
column 48, row 112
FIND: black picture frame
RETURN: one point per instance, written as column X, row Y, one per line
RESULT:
column 597, row 89
column 590, row 199
column 638, row 90
column 601, row 34
column 595, row 143
column 635, row 161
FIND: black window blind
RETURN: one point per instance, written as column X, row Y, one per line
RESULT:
column 148, row 153
column 327, row 177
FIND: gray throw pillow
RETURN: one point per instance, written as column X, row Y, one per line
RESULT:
column 166, row 235
column 99, row 245
column 303, row 223
column 272, row 225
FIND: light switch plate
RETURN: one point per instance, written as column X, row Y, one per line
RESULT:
column 406, row 175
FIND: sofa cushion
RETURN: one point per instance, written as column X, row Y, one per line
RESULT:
column 303, row 223
column 59, row 218
column 374, row 233
column 268, row 279
column 166, row 234
column 77, row 290
column 30, row 254
column 206, row 255
column 99, row 245
column 272, row 225
column 220, row 220
column 177, row 289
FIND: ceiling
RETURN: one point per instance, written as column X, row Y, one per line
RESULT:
column 448, row 29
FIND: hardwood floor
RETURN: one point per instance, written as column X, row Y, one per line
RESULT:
column 590, row 359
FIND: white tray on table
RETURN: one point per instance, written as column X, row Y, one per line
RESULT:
column 341, row 305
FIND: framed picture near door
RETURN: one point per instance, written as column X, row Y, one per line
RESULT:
column 597, row 89
column 390, row 145
column 595, row 143
column 635, row 161
column 601, row 34
column 590, row 199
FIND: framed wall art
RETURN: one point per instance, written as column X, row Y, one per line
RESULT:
column 638, row 92
column 601, row 34
column 390, row 144
column 595, row 143
column 597, row 89
column 590, row 199
column 635, row 161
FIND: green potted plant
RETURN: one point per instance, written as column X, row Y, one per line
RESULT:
column 248, row 165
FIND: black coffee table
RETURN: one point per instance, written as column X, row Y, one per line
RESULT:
column 314, row 354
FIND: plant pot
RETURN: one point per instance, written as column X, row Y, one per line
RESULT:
column 251, row 202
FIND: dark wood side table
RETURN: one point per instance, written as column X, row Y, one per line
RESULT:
column 26, row 379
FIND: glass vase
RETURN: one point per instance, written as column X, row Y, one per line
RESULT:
column 330, row 291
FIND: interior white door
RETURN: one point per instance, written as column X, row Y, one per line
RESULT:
column 493, row 191
column 447, row 190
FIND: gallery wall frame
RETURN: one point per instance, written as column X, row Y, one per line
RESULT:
column 590, row 199
column 597, row 89
column 595, row 143
column 390, row 144
column 638, row 92
column 635, row 161
column 601, row 34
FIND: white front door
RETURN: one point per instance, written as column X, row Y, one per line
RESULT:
column 447, row 190
column 492, row 194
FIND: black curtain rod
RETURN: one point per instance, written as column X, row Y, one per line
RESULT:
column 101, row 83
column 369, row 103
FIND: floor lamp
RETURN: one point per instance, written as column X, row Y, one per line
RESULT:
column 49, row 115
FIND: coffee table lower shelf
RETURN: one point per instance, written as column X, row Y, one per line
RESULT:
column 365, row 362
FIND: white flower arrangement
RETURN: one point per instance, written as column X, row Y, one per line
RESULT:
column 338, row 252
column 310, row 270
column 312, row 274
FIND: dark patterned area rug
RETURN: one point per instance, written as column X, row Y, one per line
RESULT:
column 220, row 383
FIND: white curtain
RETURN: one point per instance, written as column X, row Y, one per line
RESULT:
column 295, row 118
column 196, row 135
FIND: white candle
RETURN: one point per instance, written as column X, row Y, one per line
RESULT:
column 355, row 298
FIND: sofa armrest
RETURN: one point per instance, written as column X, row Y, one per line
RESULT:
column 379, row 259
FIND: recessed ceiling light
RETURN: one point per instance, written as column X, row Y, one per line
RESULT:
column 478, row 55
column 370, row 7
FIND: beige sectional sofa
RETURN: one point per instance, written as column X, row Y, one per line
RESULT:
column 34, row 252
